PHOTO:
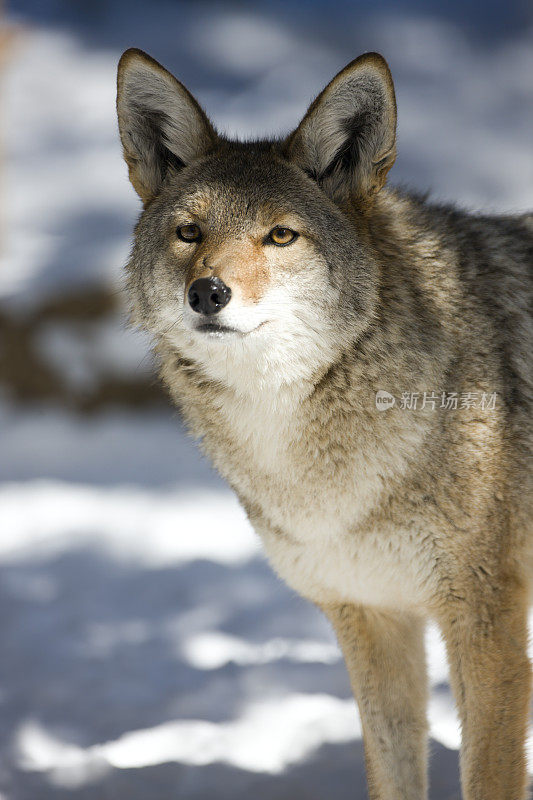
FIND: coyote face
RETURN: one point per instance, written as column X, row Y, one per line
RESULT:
column 240, row 257
column 287, row 291
column 251, row 278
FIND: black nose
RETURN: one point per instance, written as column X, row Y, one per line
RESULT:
column 208, row 295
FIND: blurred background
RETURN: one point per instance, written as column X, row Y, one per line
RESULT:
column 147, row 649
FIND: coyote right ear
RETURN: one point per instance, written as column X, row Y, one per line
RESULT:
column 161, row 124
column 346, row 141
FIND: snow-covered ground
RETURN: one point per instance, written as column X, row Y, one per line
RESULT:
column 143, row 631
column 148, row 651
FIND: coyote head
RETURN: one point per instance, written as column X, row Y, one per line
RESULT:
column 252, row 258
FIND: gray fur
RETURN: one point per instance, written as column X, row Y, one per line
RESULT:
column 382, row 518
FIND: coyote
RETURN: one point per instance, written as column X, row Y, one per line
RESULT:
column 357, row 365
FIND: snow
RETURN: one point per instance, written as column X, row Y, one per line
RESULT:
column 268, row 737
column 152, row 528
column 147, row 648
column 145, row 627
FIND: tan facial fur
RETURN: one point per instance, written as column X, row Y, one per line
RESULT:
column 241, row 259
column 240, row 264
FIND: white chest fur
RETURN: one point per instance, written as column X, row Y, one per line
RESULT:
column 370, row 567
column 314, row 511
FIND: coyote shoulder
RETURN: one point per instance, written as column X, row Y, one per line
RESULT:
column 289, row 291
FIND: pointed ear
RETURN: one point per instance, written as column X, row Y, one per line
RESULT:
column 346, row 141
column 161, row 125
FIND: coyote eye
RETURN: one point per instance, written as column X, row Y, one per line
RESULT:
column 189, row 233
column 281, row 236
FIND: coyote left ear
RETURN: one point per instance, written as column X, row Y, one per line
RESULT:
column 347, row 139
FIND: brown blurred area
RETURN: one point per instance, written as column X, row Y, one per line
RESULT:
column 28, row 377
column 7, row 32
